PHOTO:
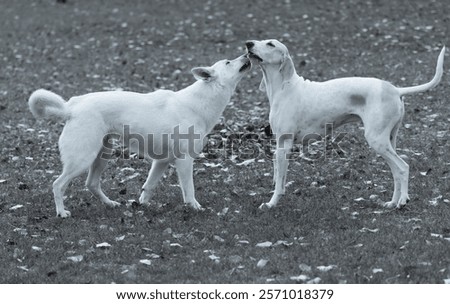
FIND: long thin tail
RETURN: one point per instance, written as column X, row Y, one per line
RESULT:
column 434, row 82
column 46, row 104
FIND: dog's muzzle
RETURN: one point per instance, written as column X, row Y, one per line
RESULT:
column 249, row 45
column 247, row 65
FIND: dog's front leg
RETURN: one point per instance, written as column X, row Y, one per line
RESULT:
column 184, row 167
column 284, row 146
column 155, row 174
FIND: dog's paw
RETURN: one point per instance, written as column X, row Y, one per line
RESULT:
column 264, row 206
column 390, row 205
column 112, row 204
column 144, row 199
column 402, row 202
column 399, row 204
column 63, row 214
column 196, row 206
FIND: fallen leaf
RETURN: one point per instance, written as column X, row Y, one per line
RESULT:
column 120, row 238
column 305, row 268
column 424, row 173
column 21, row 231
column 223, row 212
column 364, row 229
column 24, row 268
column 354, row 214
column 246, row 162
column 262, row 263
column 153, row 256
column 284, row 243
column 213, row 257
column 301, row 277
column 128, row 213
column 218, row 238
column 264, row 244
column 377, row 270
column 16, row 207
column 437, row 235
column 289, row 183
column 414, row 219
column 103, row 245
column 75, row 258
column 441, row 133
column 145, row 262
column 314, row 281
column 326, row 268
column 434, row 201
column 130, row 177
column 128, row 169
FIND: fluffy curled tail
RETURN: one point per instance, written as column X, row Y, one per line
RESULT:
column 46, row 104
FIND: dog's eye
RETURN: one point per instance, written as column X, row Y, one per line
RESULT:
column 228, row 62
column 270, row 44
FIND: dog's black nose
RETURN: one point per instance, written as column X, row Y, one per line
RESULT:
column 249, row 45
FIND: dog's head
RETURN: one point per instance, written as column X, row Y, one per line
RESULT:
column 273, row 54
column 225, row 72
column 269, row 51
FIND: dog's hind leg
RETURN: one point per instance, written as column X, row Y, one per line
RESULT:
column 185, row 171
column 73, row 167
column 95, row 172
column 155, row 174
column 381, row 143
column 393, row 136
column 78, row 148
column 60, row 186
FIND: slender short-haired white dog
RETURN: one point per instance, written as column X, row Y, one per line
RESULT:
column 164, row 125
column 299, row 108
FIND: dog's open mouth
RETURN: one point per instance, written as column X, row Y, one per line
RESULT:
column 254, row 56
column 247, row 65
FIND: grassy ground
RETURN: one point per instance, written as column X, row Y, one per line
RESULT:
column 329, row 228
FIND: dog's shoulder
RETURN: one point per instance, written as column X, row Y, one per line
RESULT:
column 161, row 94
column 161, row 98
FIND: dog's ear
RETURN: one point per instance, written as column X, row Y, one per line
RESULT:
column 202, row 73
column 287, row 67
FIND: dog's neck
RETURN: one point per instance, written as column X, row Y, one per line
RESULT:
column 209, row 99
column 276, row 77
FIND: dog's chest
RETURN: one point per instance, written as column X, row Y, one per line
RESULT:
column 305, row 117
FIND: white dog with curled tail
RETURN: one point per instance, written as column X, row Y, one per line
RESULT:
column 165, row 126
column 299, row 108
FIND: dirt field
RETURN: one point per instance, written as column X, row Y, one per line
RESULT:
column 329, row 227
